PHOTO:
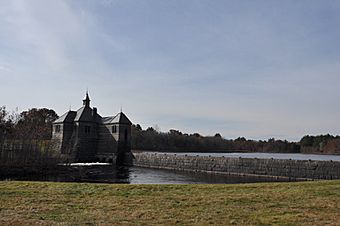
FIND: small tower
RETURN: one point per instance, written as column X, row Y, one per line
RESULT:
column 86, row 101
column 124, row 154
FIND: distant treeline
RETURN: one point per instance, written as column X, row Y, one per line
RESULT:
column 327, row 144
column 176, row 141
column 31, row 131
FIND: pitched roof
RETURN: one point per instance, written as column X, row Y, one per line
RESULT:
column 120, row 118
column 67, row 117
column 86, row 114
column 107, row 120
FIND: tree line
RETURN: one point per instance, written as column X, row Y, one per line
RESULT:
column 25, row 139
column 31, row 124
column 35, row 125
column 174, row 140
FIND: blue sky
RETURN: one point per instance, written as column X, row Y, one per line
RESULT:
column 258, row 69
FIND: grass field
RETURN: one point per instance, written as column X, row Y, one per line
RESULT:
column 299, row 203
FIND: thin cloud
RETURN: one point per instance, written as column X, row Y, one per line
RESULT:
column 251, row 69
column 5, row 68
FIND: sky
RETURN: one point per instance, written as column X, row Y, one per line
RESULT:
column 253, row 68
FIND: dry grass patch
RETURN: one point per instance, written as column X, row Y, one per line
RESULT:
column 46, row 203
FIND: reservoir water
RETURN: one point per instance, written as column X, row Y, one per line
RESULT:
column 106, row 173
column 100, row 173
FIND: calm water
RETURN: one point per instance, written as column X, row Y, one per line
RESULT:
column 262, row 155
column 99, row 173
column 105, row 173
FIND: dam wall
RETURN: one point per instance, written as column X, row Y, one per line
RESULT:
column 288, row 168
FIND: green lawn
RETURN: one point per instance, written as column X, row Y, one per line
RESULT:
column 299, row 203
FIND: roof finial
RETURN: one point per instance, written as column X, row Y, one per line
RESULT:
column 121, row 108
column 86, row 101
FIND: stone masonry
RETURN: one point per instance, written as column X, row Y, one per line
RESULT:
column 298, row 169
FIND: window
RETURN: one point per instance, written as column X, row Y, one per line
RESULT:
column 87, row 129
column 57, row 129
column 114, row 129
column 125, row 135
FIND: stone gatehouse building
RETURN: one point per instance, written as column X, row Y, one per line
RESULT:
column 85, row 136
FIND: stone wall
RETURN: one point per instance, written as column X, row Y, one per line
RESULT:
column 242, row 166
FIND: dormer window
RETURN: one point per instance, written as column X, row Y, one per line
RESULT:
column 114, row 129
column 57, row 128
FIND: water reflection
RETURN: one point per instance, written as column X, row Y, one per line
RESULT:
column 139, row 175
column 136, row 175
